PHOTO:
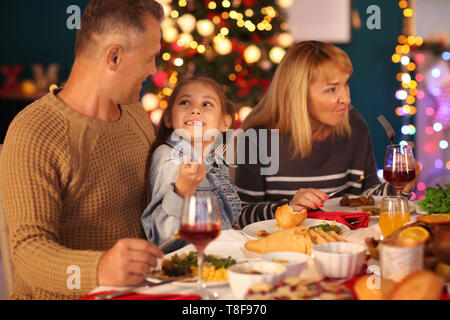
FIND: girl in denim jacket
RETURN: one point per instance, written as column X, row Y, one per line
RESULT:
column 184, row 159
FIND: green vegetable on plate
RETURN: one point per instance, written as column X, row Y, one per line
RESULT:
column 437, row 200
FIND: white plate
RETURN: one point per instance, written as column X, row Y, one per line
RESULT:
column 333, row 205
column 271, row 226
column 189, row 282
column 194, row 283
column 421, row 211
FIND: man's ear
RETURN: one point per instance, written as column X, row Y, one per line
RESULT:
column 226, row 123
column 114, row 57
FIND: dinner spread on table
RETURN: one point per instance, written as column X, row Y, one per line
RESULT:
column 298, row 257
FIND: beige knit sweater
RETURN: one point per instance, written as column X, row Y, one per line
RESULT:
column 71, row 187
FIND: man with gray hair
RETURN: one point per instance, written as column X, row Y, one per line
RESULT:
column 75, row 163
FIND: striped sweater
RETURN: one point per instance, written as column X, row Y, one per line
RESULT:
column 334, row 162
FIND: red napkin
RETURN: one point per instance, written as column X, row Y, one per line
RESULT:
column 353, row 220
column 141, row 296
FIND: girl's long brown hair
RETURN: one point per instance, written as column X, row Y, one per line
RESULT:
column 164, row 132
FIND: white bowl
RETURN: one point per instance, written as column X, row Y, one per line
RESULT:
column 294, row 261
column 339, row 259
column 241, row 280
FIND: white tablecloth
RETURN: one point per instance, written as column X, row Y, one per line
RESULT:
column 229, row 243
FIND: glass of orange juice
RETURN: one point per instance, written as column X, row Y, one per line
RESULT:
column 394, row 213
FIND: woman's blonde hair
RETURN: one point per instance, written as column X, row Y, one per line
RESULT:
column 285, row 107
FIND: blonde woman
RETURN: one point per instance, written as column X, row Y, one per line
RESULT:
column 324, row 141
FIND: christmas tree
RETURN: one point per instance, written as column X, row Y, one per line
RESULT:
column 239, row 43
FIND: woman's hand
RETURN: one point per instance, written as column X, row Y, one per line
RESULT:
column 191, row 174
column 308, row 197
column 410, row 186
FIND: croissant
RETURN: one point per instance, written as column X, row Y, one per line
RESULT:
column 293, row 239
column 287, row 218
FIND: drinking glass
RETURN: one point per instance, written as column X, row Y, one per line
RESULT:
column 399, row 166
column 394, row 213
column 200, row 224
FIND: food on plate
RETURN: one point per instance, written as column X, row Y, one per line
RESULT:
column 186, row 264
column 286, row 240
column 415, row 232
column 337, row 236
column 299, row 239
column 372, row 211
column 436, row 238
column 325, row 235
column 317, row 238
column 296, row 289
column 280, row 260
column 443, row 270
column 346, row 201
column 372, row 246
column 288, row 218
column 435, row 218
column 262, row 233
column 211, row 274
column 327, row 227
column 365, row 290
column 437, row 200
column 420, row 285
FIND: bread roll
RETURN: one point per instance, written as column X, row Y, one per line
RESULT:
column 287, row 218
column 420, row 285
column 287, row 240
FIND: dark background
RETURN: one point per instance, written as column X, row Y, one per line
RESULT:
column 35, row 32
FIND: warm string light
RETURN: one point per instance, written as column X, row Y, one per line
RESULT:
column 181, row 28
column 409, row 93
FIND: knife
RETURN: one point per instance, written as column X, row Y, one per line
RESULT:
column 145, row 283
column 387, row 126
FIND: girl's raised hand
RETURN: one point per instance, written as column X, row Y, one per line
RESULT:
column 191, row 174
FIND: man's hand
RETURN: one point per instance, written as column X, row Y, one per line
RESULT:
column 308, row 197
column 127, row 262
column 191, row 174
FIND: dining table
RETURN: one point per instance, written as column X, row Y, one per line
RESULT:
column 230, row 244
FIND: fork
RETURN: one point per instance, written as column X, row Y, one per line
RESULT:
column 387, row 126
column 348, row 185
column 221, row 151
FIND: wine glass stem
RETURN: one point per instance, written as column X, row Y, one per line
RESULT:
column 200, row 260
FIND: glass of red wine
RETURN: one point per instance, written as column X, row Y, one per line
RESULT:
column 200, row 224
column 399, row 166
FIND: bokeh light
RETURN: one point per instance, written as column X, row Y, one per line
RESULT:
column 443, row 144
